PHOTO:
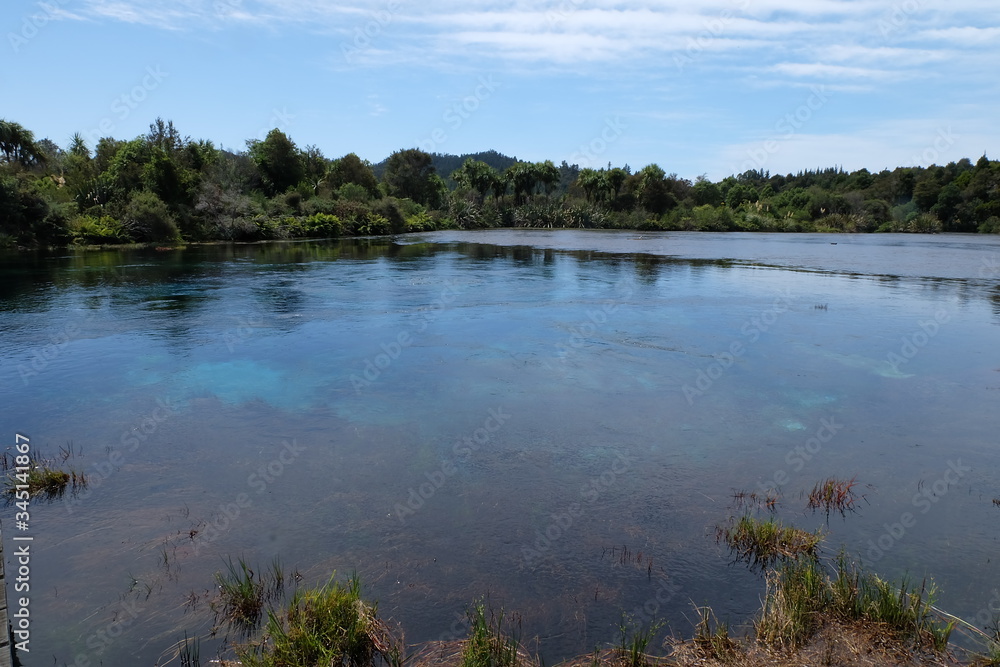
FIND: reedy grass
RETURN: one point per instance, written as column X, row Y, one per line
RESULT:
column 714, row 642
column 753, row 500
column 634, row 640
column 45, row 481
column 331, row 625
column 488, row 644
column 243, row 594
column 190, row 652
column 762, row 542
column 800, row 592
column 834, row 494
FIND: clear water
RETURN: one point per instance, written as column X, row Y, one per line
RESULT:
column 467, row 413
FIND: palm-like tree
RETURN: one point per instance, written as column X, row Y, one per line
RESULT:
column 17, row 144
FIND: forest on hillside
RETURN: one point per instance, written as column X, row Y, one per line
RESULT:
column 163, row 188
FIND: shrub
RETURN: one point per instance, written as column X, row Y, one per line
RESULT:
column 353, row 192
column 991, row 226
column 319, row 205
column 421, row 222
column 390, row 210
column 321, row 225
column 87, row 229
column 147, row 218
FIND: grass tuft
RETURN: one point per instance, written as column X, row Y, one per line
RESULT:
column 331, row 625
column 489, row 644
column 244, row 592
column 634, row 642
column 761, row 543
column 712, row 637
column 190, row 652
column 38, row 476
column 799, row 593
column 834, row 495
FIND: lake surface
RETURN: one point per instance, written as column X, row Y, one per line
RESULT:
column 459, row 414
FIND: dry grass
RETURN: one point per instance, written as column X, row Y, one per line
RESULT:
column 849, row 644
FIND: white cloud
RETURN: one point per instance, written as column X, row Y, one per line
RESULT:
column 822, row 71
column 962, row 36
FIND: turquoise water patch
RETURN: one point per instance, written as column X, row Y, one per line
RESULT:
column 242, row 381
column 809, row 399
column 792, row 425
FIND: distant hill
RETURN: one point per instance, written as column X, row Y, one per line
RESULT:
column 445, row 164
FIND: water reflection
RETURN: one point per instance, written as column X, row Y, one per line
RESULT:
column 588, row 350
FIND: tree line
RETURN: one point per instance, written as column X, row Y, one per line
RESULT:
column 163, row 188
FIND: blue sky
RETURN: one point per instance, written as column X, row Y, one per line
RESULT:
column 711, row 88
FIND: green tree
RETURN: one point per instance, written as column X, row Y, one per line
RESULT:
column 616, row 179
column 165, row 137
column 352, row 169
column 706, row 192
column 740, row 194
column 654, row 193
column 280, row 162
column 946, row 207
column 78, row 146
column 594, row 184
column 315, row 167
column 925, row 193
column 125, row 172
column 523, row 177
column 410, row 174
column 547, row 176
column 476, row 175
column 17, row 144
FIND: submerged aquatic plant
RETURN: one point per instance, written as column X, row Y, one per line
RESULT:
column 244, row 592
column 834, row 495
column 751, row 499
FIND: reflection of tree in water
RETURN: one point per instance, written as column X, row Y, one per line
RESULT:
column 280, row 298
